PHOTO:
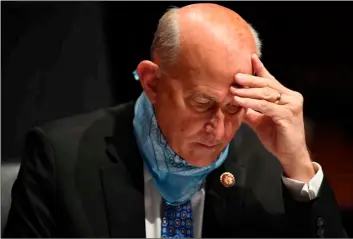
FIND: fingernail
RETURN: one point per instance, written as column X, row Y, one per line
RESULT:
column 236, row 98
column 239, row 76
column 233, row 89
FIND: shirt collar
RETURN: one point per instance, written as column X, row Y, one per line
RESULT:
column 146, row 174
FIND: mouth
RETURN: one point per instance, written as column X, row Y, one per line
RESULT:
column 208, row 146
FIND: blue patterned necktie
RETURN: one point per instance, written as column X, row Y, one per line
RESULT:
column 177, row 221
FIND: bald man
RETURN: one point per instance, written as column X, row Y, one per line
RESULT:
column 213, row 147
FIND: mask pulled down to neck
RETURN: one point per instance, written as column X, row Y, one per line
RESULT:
column 176, row 180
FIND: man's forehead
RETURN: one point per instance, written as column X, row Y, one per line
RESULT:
column 219, row 65
column 215, row 46
column 217, row 94
column 214, row 78
column 214, row 75
column 213, row 83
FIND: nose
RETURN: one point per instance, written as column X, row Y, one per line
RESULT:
column 216, row 126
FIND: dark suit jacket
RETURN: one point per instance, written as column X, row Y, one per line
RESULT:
column 83, row 177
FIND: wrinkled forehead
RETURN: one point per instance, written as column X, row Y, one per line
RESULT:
column 215, row 55
column 212, row 77
column 214, row 67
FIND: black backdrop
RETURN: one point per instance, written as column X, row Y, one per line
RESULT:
column 65, row 58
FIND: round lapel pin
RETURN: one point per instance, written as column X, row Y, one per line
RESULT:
column 227, row 179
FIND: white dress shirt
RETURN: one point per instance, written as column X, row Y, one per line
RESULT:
column 300, row 191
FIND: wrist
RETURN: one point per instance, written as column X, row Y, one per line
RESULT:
column 301, row 169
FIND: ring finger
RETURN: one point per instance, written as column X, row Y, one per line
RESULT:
column 264, row 93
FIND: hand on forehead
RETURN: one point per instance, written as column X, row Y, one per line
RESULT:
column 214, row 41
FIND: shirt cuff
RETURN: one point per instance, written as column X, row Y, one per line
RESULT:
column 302, row 191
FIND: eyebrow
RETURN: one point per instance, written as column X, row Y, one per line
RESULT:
column 202, row 95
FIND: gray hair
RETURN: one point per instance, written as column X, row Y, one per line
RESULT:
column 166, row 42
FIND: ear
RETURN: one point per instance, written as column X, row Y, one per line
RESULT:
column 147, row 73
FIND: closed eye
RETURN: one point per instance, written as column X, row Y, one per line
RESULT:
column 203, row 105
column 232, row 109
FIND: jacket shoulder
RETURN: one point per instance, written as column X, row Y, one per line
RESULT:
column 77, row 125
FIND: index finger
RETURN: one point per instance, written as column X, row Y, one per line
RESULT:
column 250, row 81
column 259, row 69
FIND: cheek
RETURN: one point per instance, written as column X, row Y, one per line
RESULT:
column 177, row 120
column 191, row 124
column 233, row 123
column 187, row 121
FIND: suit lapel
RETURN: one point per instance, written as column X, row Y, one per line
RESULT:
column 123, row 182
column 222, row 202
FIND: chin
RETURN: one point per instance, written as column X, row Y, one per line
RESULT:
column 198, row 155
column 201, row 159
column 201, row 163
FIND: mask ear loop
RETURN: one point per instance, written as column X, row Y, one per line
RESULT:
column 136, row 76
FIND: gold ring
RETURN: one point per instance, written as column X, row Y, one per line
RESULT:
column 278, row 99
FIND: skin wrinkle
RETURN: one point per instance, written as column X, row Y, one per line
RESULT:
column 215, row 44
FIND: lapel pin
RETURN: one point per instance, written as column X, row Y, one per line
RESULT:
column 227, row 179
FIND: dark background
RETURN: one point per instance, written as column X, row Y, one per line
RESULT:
column 65, row 58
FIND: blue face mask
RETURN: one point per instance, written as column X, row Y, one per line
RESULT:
column 176, row 180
